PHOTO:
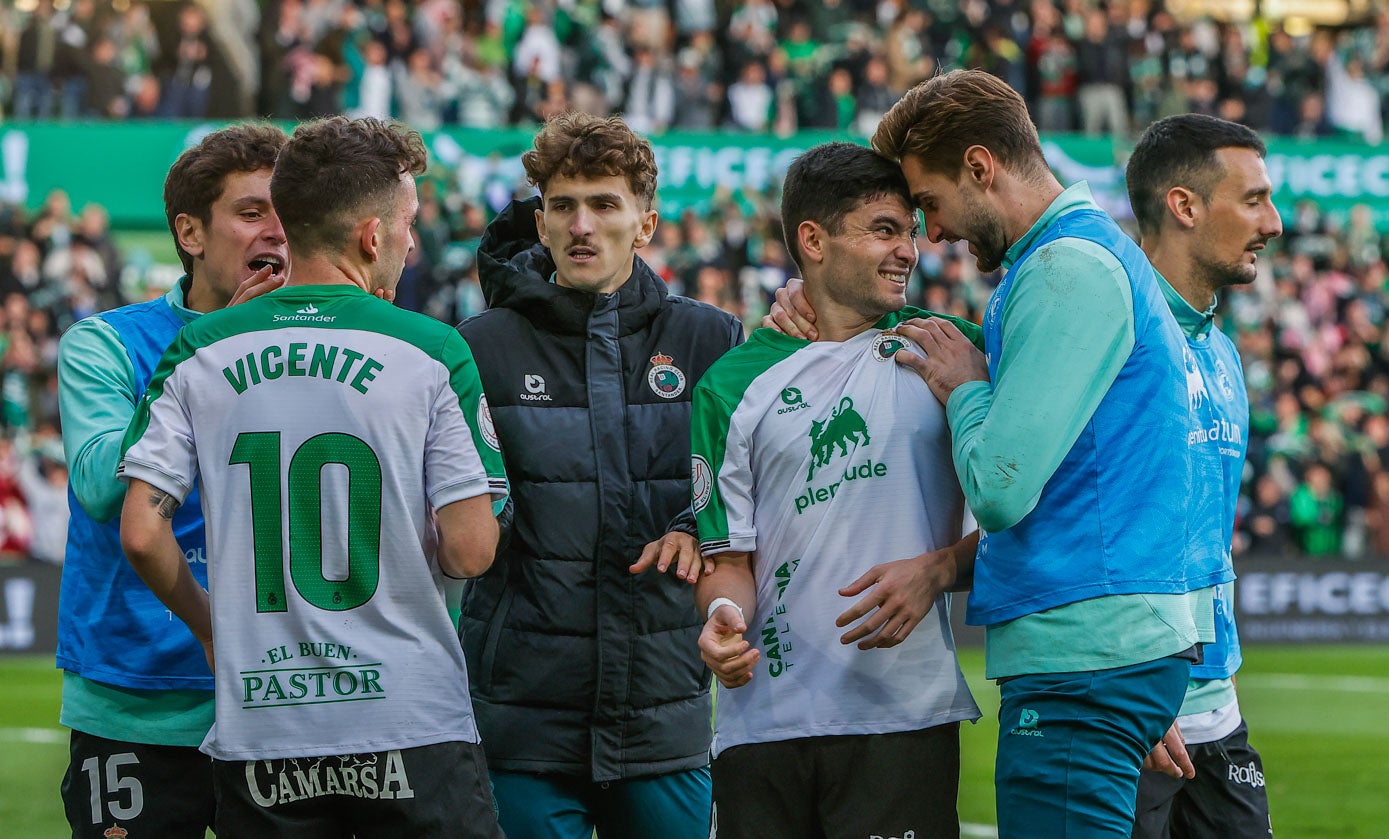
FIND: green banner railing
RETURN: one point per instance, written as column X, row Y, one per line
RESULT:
column 122, row 166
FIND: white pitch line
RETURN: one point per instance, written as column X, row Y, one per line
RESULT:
column 983, row 831
column 1334, row 684
column 34, row 735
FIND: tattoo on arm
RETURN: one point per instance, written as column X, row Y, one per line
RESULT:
column 166, row 503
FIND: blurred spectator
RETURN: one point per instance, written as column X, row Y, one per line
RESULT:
column 187, row 73
column 38, row 49
column 1102, row 62
column 1315, row 513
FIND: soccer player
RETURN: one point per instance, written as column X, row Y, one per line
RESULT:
column 345, row 473
column 1203, row 201
column 587, row 680
column 136, row 691
column 812, row 462
column 1070, row 438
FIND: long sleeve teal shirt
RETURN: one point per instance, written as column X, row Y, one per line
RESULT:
column 97, row 395
column 1068, row 330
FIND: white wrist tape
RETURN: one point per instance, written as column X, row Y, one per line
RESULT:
column 724, row 601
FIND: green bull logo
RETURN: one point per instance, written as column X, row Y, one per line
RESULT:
column 842, row 427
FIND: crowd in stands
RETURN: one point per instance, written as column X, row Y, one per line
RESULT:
column 1311, row 330
column 748, row 65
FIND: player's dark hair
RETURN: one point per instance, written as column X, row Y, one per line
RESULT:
column 335, row 171
column 197, row 178
column 1181, row 151
column 831, row 180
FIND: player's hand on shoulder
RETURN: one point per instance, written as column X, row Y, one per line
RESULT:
column 950, row 358
column 725, row 651
column 898, row 595
column 678, row 550
column 791, row 313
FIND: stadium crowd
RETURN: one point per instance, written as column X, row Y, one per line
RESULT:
column 749, row 65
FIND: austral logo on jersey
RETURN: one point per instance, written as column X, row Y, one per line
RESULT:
column 287, row 780
column 834, row 434
column 666, row 380
column 793, row 401
column 535, row 388
column 888, row 344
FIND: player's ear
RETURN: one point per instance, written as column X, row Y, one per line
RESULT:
column 1183, row 206
column 980, row 166
column 369, row 238
column 540, row 225
column 646, row 230
column 810, row 236
column 190, row 233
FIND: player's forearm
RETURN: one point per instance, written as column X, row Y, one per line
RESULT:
column 732, row 578
column 963, row 553
column 468, row 535
column 147, row 537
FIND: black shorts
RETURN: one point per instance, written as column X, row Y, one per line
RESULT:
column 1226, row 800
column 144, row 790
column 426, row 792
column 857, row 785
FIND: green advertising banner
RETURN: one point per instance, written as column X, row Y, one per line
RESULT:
column 122, row 166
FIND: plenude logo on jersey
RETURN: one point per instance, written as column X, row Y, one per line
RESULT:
column 831, row 437
column 666, row 380
column 307, row 314
column 535, row 389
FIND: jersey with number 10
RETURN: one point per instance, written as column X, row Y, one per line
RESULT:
column 322, row 423
column 823, row 460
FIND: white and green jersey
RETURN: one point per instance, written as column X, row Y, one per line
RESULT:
column 322, row 424
column 823, row 460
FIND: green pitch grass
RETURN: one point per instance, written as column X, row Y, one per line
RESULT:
column 1316, row 713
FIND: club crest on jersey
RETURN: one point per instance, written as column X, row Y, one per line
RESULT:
column 115, row 831
column 887, row 344
column 666, row 380
column 1222, row 380
column 485, row 426
column 701, row 482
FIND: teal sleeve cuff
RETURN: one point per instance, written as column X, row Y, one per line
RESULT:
column 96, row 398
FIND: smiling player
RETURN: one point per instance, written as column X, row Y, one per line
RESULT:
column 816, row 463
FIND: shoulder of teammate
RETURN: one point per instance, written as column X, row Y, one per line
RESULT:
column 1084, row 274
column 704, row 316
column 968, row 328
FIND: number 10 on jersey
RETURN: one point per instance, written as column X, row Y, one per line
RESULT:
column 260, row 451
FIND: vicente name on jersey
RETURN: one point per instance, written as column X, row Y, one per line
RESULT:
column 324, row 361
